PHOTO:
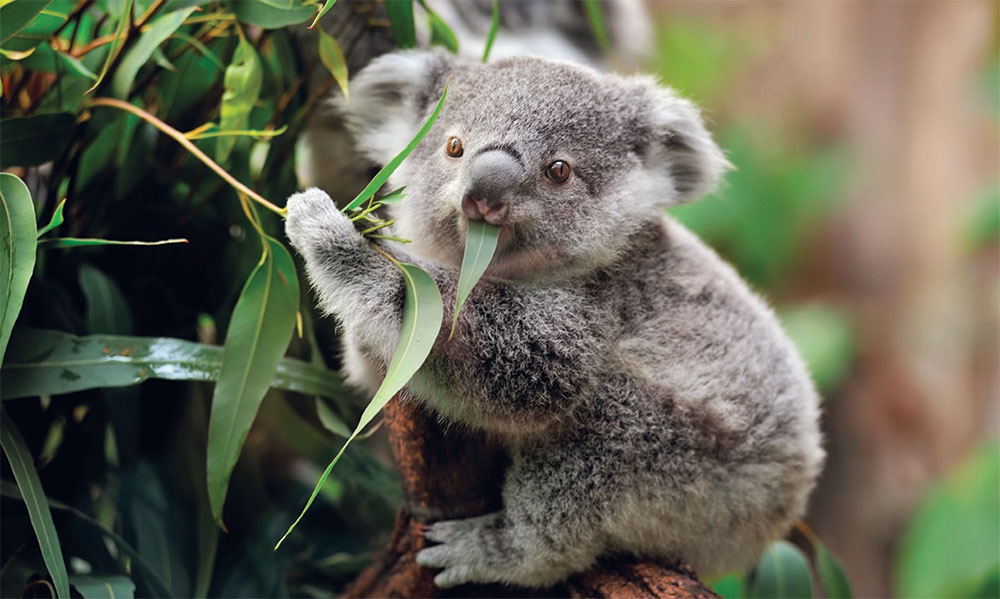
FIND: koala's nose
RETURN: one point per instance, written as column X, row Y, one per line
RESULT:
column 492, row 177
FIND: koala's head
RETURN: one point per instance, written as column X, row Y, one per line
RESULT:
column 568, row 161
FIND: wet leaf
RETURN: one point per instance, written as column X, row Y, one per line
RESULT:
column 17, row 251
column 242, row 82
column 22, row 464
column 333, row 59
column 480, row 245
column 259, row 331
column 422, row 314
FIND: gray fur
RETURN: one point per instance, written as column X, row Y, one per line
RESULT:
column 649, row 401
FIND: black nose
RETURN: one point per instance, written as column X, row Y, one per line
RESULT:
column 492, row 177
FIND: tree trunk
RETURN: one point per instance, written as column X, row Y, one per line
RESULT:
column 458, row 475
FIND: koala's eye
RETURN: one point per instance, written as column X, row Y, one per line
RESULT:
column 558, row 171
column 453, row 147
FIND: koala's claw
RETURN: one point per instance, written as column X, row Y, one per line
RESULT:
column 460, row 552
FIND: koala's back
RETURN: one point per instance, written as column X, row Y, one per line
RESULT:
column 700, row 437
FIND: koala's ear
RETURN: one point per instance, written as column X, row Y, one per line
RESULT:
column 681, row 148
column 391, row 98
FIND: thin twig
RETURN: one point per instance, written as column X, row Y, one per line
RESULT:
column 189, row 146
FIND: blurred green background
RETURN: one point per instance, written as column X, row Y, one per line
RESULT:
column 865, row 205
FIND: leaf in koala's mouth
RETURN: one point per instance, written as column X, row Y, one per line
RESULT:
column 480, row 245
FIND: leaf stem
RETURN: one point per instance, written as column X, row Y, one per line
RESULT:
column 377, row 227
column 190, row 147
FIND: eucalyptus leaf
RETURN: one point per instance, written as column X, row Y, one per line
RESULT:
column 596, row 18
column 17, row 251
column 322, row 11
column 143, row 49
column 383, row 175
column 831, row 575
column 70, row 242
column 782, row 574
column 45, row 362
column 242, row 83
column 480, row 244
column 34, row 140
column 259, row 331
column 494, row 27
column 55, row 221
column 332, row 58
column 22, row 464
column 400, row 13
column 441, row 33
column 394, row 197
column 15, row 16
column 422, row 314
column 104, row 587
column 123, row 22
column 270, row 16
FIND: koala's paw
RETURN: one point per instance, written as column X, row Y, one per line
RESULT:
column 313, row 220
column 471, row 550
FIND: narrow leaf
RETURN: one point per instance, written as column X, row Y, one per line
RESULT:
column 393, row 197
column 400, row 13
column 494, row 27
column 596, row 18
column 140, row 53
column 480, row 245
column 16, row 15
column 269, row 16
column 104, row 587
column 23, row 466
column 383, row 175
column 213, row 131
column 17, row 251
column 259, row 331
column 326, row 8
column 422, row 314
column 332, row 58
column 55, row 221
column 441, row 33
column 242, row 83
column 44, row 362
column 116, row 45
column 69, row 242
column 831, row 575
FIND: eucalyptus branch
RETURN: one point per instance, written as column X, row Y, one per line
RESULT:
column 190, row 147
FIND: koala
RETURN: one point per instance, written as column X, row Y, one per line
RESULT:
column 649, row 401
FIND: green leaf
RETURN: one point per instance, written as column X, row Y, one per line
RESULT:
column 141, row 565
column 104, row 587
column 242, row 82
column 333, row 59
column 270, row 16
column 34, row 140
column 596, row 18
column 140, row 53
column 400, row 13
column 326, row 8
column 17, row 251
column 22, row 464
column 116, row 45
column 783, row 574
column 16, row 15
column 494, row 27
column 480, row 245
column 213, row 131
column 825, row 339
column 55, row 221
column 45, row 362
column 383, row 175
column 831, row 574
column 107, row 310
column 422, row 314
column 951, row 547
column 259, row 331
column 394, row 197
column 48, row 60
column 441, row 33
column 71, row 242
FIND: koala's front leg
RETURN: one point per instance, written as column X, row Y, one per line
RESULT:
column 362, row 287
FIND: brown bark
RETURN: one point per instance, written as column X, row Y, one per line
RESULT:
column 449, row 474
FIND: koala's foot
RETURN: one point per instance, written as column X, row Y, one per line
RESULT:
column 488, row 549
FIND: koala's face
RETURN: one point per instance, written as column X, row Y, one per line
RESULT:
column 567, row 161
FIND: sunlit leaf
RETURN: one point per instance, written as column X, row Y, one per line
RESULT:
column 383, row 175
column 494, row 27
column 242, row 82
column 17, row 251
column 951, row 547
column 322, row 11
column 140, row 53
column 55, row 221
column 104, row 587
column 782, row 574
column 400, row 13
column 480, row 244
column 22, row 464
column 16, row 15
column 44, row 362
column 441, row 33
column 259, row 331
column 332, row 58
column 213, row 131
column 70, row 242
column 422, row 314
column 116, row 45
column 394, row 197
column 34, row 140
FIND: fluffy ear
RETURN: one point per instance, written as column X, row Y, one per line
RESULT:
column 391, row 98
column 681, row 148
